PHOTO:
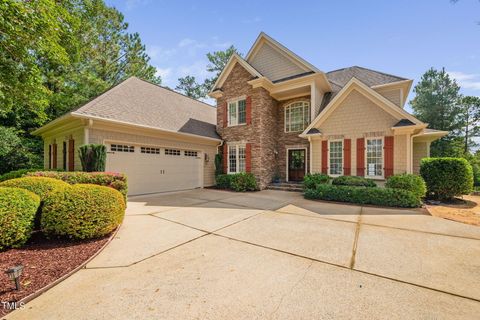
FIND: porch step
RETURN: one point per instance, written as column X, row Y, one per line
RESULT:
column 286, row 186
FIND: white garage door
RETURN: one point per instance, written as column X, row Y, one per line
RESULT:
column 151, row 169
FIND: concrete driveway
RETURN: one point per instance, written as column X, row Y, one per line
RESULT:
column 207, row 254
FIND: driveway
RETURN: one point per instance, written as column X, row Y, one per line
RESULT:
column 208, row 254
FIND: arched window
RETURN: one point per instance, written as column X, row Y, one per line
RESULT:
column 297, row 116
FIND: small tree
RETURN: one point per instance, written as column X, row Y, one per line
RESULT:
column 218, row 164
column 93, row 157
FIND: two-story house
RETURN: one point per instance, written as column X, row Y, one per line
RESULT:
column 281, row 117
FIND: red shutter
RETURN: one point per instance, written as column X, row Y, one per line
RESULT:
column 325, row 156
column 361, row 157
column 71, row 155
column 225, row 157
column 248, row 157
column 347, row 157
column 388, row 156
column 54, row 155
column 225, row 115
column 49, row 156
column 248, row 110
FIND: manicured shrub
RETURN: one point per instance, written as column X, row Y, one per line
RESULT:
column 93, row 157
column 410, row 182
column 447, row 177
column 17, row 214
column 41, row 186
column 223, row 181
column 353, row 181
column 82, row 211
column 364, row 195
column 242, row 182
column 312, row 180
column 113, row 180
column 16, row 174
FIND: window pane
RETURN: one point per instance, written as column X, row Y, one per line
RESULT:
column 242, row 111
column 232, row 158
column 374, row 157
column 297, row 116
column 241, row 159
column 336, row 157
column 232, row 113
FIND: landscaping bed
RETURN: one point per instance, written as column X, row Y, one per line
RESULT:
column 44, row 260
column 466, row 210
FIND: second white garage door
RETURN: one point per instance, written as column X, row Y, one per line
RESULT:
column 151, row 169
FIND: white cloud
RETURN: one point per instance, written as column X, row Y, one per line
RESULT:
column 164, row 73
column 466, row 80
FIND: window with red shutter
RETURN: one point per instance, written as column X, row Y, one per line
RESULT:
column 325, row 156
column 248, row 157
column 388, row 156
column 249, row 111
column 225, row 158
column 347, row 157
column 71, row 155
column 361, row 157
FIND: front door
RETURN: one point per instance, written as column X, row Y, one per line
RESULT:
column 296, row 164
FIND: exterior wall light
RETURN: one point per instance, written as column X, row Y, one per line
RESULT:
column 14, row 274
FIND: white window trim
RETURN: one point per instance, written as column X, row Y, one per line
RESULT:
column 285, row 115
column 236, row 100
column 382, row 177
column 288, row 160
column 237, row 156
column 328, row 158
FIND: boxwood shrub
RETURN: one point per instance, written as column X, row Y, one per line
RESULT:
column 363, row 195
column 447, row 177
column 17, row 214
column 410, row 182
column 41, row 186
column 82, row 211
column 311, row 180
column 223, row 181
column 16, row 174
column 242, row 182
column 353, row 181
column 113, row 180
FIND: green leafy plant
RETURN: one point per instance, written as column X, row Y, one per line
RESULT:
column 41, row 186
column 410, row 182
column 223, row 181
column 312, row 180
column 218, row 164
column 447, row 178
column 17, row 174
column 364, row 195
column 113, row 180
column 242, row 182
column 353, row 181
column 82, row 211
column 17, row 214
column 93, row 157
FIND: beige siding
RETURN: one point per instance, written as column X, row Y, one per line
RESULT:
column 358, row 117
column 316, row 156
column 392, row 95
column 400, row 158
column 274, row 65
column 77, row 134
column 420, row 151
column 102, row 135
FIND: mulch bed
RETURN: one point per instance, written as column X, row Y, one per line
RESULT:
column 44, row 260
column 466, row 210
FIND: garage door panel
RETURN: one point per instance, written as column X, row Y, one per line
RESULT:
column 152, row 172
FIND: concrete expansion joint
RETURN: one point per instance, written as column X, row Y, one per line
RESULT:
column 355, row 240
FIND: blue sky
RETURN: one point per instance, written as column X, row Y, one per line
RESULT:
column 404, row 38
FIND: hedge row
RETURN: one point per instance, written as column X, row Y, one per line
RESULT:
column 113, row 180
column 239, row 182
column 353, row 181
column 364, row 195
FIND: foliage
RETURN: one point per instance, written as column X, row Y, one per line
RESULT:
column 410, row 182
column 188, row 86
column 16, row 152
column 447, row 177
column 223, row 181
column 241, row 182
column 82, row 211
column 312, row 180
column 353, row 181
column 364, row 195
column 41, row 186
column 470, row 117
column 93, row 157
column 218, row 164
column 113, row 180
column 437, row 102
column 17, row 214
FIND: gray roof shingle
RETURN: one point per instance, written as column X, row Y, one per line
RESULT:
column 369, row 77
column 143, row 103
